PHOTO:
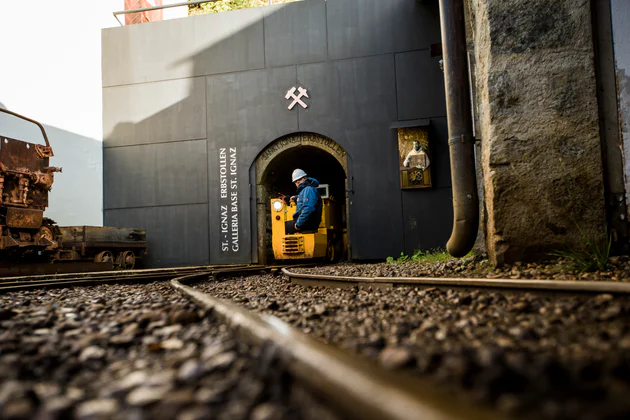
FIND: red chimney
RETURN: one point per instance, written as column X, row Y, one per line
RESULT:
column 142, row 17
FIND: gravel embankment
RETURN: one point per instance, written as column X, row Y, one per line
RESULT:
column 133, row 352
column 478, row 267
column 529, row 356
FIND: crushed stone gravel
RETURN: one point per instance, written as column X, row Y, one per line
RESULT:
column 478, row 266
column 565, row 357
column 135, row 352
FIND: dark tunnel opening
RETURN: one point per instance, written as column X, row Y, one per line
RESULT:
column 318, row 164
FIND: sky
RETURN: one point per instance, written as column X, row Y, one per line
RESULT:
column 52, row 60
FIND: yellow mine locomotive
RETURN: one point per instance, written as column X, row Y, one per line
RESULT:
column 329, row 241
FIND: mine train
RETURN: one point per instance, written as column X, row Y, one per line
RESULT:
column 26, row 179
column 329, row 242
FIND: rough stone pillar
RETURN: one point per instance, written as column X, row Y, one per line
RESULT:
column 538, row 124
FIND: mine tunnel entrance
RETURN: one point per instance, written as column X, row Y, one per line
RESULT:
column 320, row 157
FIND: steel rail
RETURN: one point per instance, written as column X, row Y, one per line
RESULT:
column 503, row 284
column 96, row 274
column 125, row 277
column 83, row 281
column 356, row 387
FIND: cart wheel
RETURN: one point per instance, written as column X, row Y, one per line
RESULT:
column 330, row 251
column 104, row 257
column 45, row 234
column 126, row 260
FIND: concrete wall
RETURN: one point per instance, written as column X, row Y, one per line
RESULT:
column 178, row 92
column 538, row 125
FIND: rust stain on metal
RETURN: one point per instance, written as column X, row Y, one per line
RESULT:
column 26, row 178
column 24, row 218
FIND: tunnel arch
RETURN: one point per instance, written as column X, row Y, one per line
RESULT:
column 321, row 157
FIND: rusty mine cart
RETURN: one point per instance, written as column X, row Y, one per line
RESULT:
column 26, row 178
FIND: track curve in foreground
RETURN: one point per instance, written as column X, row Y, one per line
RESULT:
column 358, row 388
column 502, row 284
column 13, row 284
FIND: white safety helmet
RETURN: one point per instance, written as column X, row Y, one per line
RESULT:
column 298, row 174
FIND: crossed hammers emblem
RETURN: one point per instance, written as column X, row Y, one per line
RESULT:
column 297, row 99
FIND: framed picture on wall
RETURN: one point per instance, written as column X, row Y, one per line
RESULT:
column 413, row 155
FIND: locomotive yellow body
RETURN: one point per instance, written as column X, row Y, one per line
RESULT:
column 329, row 241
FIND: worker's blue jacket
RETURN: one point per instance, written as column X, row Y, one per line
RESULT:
column 309, row 205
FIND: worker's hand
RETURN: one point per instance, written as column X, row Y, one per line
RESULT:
column 293, row 198
column 296, row 227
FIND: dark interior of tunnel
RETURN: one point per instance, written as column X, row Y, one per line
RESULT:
column 318, row 164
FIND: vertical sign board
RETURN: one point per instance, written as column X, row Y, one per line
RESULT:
column 229, row 204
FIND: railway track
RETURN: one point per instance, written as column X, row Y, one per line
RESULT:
column 503, row 343
column 359, row 389
column 12, row 284
column 528, row 285
column 350, row 384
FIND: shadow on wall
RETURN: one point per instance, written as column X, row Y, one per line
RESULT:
column 77, row 194
column 151, row 128
column 158, row 132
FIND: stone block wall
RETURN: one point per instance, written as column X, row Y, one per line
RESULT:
column 538, row 126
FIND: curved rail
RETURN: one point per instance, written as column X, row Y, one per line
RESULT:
column 111, row 273
column 358, row 388
column 131, row 276
column 502, row 284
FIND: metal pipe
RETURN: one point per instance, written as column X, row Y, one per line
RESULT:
column 461, row 141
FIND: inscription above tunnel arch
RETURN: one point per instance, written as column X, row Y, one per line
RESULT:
column 301, row 139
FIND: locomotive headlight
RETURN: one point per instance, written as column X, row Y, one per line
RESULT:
column 277, row 205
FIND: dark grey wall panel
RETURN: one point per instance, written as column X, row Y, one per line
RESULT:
column 349, row 94
column 420, row 84
column 295, row 33
column 154, row 112
column 368, row 27
column 176, row 235
column 440, row 156
column 376, row 210
column 167, row 143
column 155, row 175
column 427, row 218
column 246, row 112
column 179, row 48
column 354, row 103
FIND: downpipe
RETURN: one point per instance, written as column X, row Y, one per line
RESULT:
column 461, row 142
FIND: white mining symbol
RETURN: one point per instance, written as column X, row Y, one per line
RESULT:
column 297, row 99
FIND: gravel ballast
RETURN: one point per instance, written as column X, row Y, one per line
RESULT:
column 134, row 352
column 525, row 355
column 478, row 266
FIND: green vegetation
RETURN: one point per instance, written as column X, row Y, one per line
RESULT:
column 428, row 257
column 592, row 256
column 227, row 5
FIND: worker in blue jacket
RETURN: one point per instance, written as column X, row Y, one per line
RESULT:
column 309, row 204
